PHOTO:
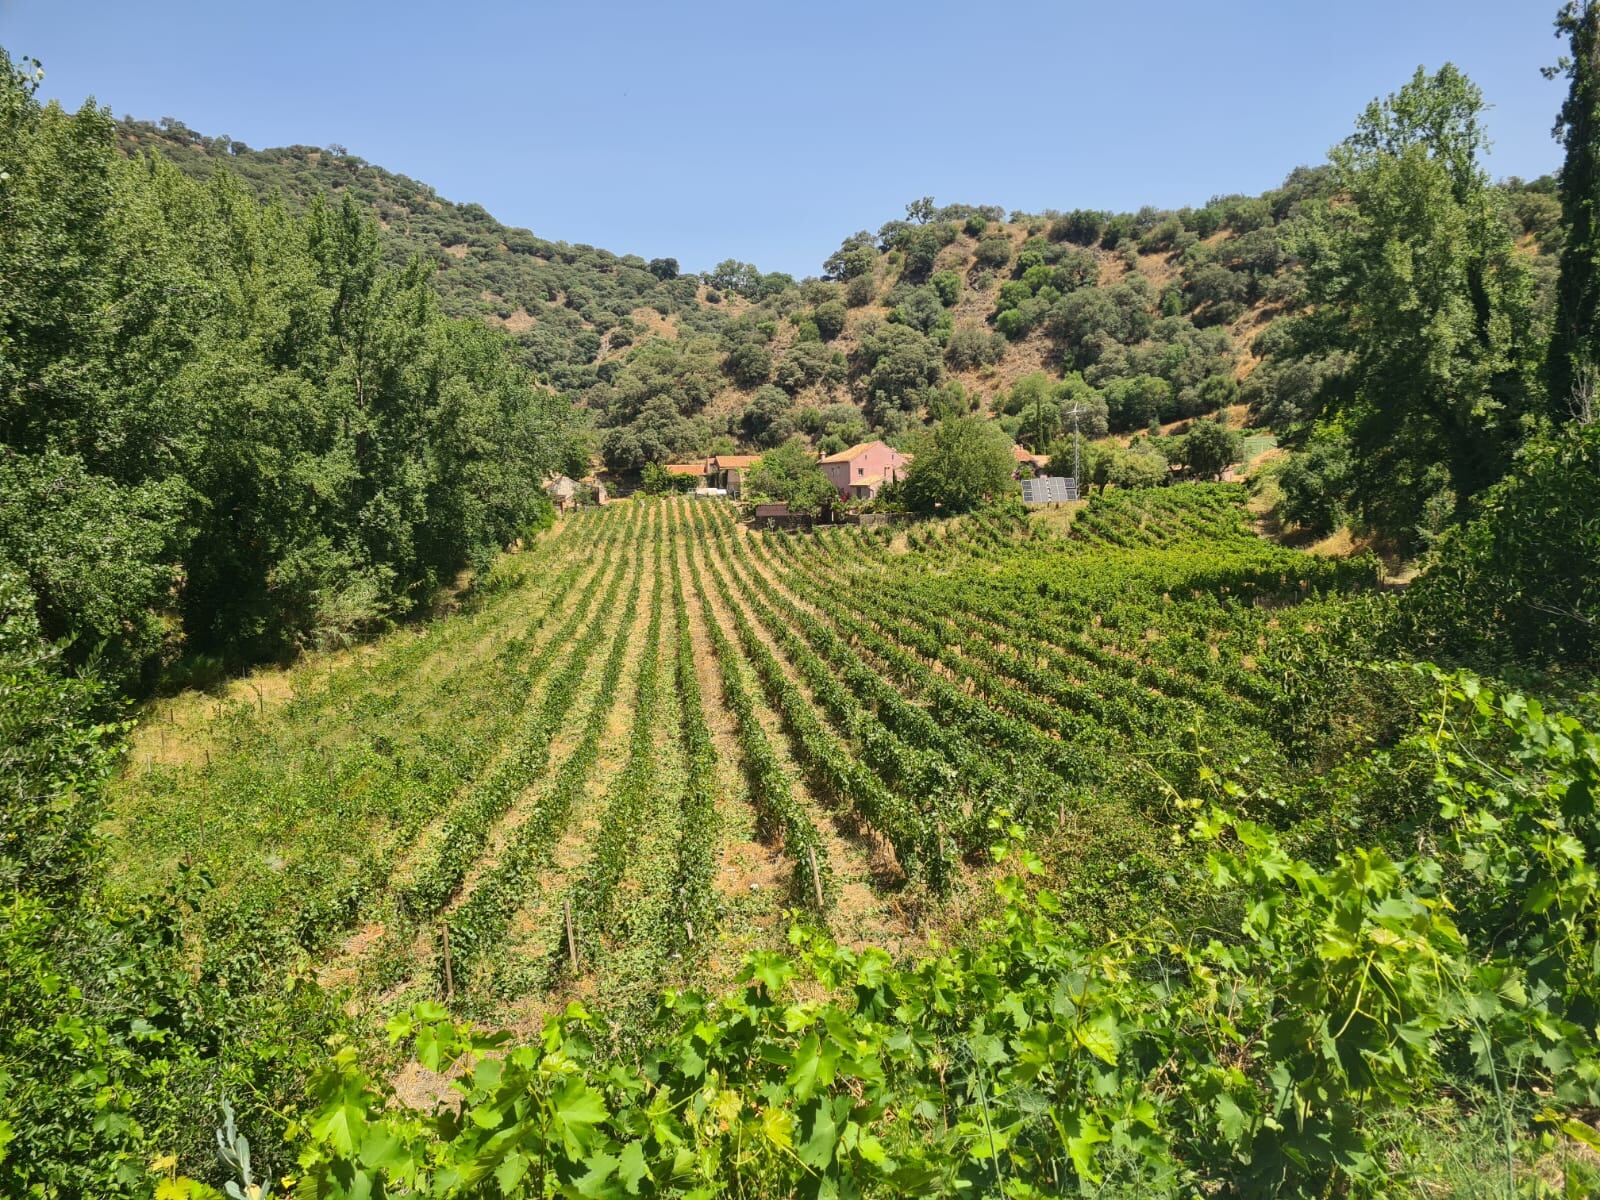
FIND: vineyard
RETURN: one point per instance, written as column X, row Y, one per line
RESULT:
column 654, row 733
column 986, row 856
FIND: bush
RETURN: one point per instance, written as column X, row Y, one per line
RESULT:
column 947, row 285
column 789, row 474
column 830, row 319
column 1134, row 401
column 1082, row 227
column 971, row 347
column 993, row 251
column 1315, row 484
column 749, row 363
column 808, row 364
column 895, row 366
column 1520, row 583
column 768, row 420
column 860, row 291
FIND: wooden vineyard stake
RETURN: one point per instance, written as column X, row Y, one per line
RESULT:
column 572, row 942
column 816, row 875
column 449, row 975
column 688, row 928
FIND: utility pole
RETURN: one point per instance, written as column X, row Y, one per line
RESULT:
column 1077, row 481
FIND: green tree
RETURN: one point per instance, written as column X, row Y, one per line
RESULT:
column 947, row 286
column 768, row 420
column 1574, row 364
column 1520, row 582
column 961, row 464
column 894, row 366
column 1418, row 278
column 1316, row 484
column 749, row 363
column 1210, row 448
column 740, row 278
column 830, row 318
column 790, row 474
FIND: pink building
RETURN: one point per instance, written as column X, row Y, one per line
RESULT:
column 860, row 471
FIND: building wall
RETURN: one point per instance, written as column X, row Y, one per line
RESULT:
column 876, row 461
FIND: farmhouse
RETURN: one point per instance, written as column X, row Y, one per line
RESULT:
column 726, row 470
column 563, row 492
column 694, row 470
column 862, row 470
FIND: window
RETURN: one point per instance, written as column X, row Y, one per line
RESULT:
column 861, row 470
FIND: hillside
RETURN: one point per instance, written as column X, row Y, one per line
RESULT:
column 558, row 300
column 1148, row 316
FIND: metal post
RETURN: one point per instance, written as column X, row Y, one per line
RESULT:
column 572, row 943
column 816, row 876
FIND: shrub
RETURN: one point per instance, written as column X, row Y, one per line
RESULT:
column 993, row 251
column 1082, row 227
column 830, row 319
column 971, row 347
column 749, row 363
column 1520, row 582
column 947, row 285
column 1315, row 484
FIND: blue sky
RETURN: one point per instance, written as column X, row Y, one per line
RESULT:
column 768, row 132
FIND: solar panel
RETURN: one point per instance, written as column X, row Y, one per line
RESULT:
column 1049, row 489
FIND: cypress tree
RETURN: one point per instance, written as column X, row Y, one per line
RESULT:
column 1575, row 344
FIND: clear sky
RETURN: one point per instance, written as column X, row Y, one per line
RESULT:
column 768, row 132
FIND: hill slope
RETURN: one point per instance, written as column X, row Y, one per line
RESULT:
column 1165, row 315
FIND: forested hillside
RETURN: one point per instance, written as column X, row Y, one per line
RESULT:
column 1130, row 319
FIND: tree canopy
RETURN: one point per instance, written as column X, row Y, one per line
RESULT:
column 959, row 465
column 790, row 474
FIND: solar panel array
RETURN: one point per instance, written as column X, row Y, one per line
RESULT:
column 1049, row 489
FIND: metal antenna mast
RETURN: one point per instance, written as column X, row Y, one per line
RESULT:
column 1077, row 480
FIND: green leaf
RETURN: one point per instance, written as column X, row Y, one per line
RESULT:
column 1231, row 1119
column 339, row 1127
column 1100, row 1037
column 1082, row 1132
column 631, row 1167
column 821, row 1138
column 510, row 1171
column 576, row 1110
column 602, row 1167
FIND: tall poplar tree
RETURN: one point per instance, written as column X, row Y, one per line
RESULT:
column 1575, row 344
column 1417, row 280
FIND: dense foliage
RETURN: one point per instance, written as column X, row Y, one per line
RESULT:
column 1520, row 583
column 230, row 429
column 1417, row 279
column 1575, row 345
column 961, row 464
column 1268, row 1057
